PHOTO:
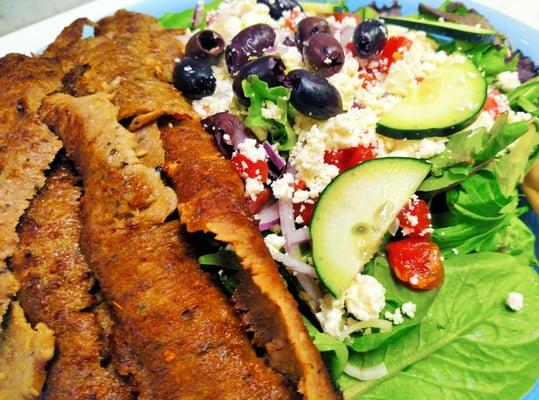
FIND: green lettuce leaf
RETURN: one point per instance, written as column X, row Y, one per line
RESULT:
column 469, row 345
column 184, row 19
column 456, row 12
column 334, row 352
column 276, row 123
column 526, row 97
column 470, row 151
column 396, row 294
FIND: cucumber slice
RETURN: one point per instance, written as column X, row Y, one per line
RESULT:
column 450, row 29
column 318, row 8
column 445, row 102
column 355, row 211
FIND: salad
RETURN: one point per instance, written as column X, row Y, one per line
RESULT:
column 381, row 156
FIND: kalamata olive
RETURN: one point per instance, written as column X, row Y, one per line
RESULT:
column 194, row 78
column 370, row 37
column 308, row 27
column 207, row 46
column 313, row 95
column 250, row 42
column 277, row 7
column 227, row 130
column 269, row 69
column 324, row 54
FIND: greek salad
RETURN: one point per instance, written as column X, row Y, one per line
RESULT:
column 381, row 156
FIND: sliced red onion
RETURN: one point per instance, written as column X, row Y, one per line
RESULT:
column 197, row 14
column 366, row 374
column 346, row 35
column 299, row 236
column 275, row 158
column 288, row 226
column 294, row 264
column 312, row 290
column 268, row 217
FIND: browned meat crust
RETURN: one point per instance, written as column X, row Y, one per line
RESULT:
column 27, row 148
column 133, row 59
column 24, row 353
column 211, row 199
column 55, row 284
column 180, row 326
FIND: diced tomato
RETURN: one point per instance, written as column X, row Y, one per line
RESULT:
column 345, row 159
column 249, row 169
column 339, row 17
column 305, row 210
column 491, row 105
column 367, row 77
column 415, row 219
column 350, row 46
column 417, row 262
column 255, row 205
column 289, row 22
column 392, row 51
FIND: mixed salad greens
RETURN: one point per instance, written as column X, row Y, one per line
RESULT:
column 382, row 156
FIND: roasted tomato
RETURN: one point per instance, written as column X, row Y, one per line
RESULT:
column 415, row 219
column 345, row 159
column 392, row 51
column 249, row 169
column 417, row 262
column 255, row 205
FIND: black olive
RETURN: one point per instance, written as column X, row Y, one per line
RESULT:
column 313, row 95
column 250, row 42
column 308, row 27
column 207, row 46
column 324, row 54
column 227, row 131
column 277, row 7
column 269, row 69
column 370, row 37
column 194, row 78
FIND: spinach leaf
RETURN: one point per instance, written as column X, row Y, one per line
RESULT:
column 269, row 112
column 334, row 352
column 470, row 151
column 398, row 294
column 526, row 97
column 184, row 19
column 469, row 345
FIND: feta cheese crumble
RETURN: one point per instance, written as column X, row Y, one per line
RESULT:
column 274, row 243
column 283, row 188
column 508, row 80
column 515, row 301
column 365, row 298
column 250, row 149
column 409, row 309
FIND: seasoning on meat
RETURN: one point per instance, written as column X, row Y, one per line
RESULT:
column 211, row 199
column 55, row 283
column 24, row 353
column 178, row 323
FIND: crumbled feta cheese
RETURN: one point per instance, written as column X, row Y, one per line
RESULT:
column 508, row 80
column 424, row 148
column 283, row 188
column 291, row 57
column 485, row 120
column 274, row 243
column 414, row 280
column 221, row 98
column 518, row 116
column 331, row 316
column 250, row 149
column 515, row 301
column 347, row 81
column 253, row 186
column 397, row 317
column 389, row 315
column 300, row 196
column 365, row 298
column 409, row 309
column 353, row 128
column 271, row 111
column 455, row 251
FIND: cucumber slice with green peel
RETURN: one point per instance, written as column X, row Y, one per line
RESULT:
column 354, row 213
column 317, row 8
column 445, row 102
column 450, row 29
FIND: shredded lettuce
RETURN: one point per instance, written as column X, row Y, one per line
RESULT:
column 269, row 113
column 184, row 19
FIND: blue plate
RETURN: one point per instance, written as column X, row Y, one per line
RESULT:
column 522, row 36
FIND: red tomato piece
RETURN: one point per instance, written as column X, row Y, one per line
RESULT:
column 416, row 262
column 415, row 219
column 255, row 205
column 249, row 169
column 305, row 210
column 392, row 51
column 367, row 77
column 491, row 105
column 339, row 17
column 350, row 46
column 345, row 159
